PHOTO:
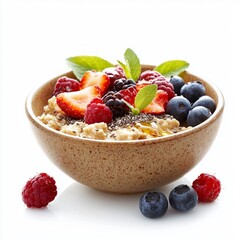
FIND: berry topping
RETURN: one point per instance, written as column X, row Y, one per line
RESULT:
column 165, row 85
column 114, row 73
column 65, row 84
column 158, row 104
column 207, row 186
column 113, row 101
column 129, row 94
column 207, row 102
column 183, row 198
column 198, row 115
column 153, row 204
column 74, row 104
column 177, row 83
column 91, row 78
column 97, row 111
column 39, row 191
column 149, row 75
column 123, row 83
column 193, row 91
column 179, row 108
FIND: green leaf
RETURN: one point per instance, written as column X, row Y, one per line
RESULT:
column 81, row 64
column 145, row 96
column 125, row 69
column 171, row 68
column 133, row 63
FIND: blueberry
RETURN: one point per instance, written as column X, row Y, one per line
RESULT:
column 183, row 198
column 198, row 115
column 153, row 204
column 207, row 102
column 178, row 107
column 177, row 83
column 193, row 91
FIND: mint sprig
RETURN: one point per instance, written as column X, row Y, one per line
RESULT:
column 143, row 98
column 132, row 68
column 81, row 64
column 172, row 67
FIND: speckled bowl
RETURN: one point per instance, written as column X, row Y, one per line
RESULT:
column 124, row 166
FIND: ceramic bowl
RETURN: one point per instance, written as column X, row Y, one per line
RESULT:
column 124, row 166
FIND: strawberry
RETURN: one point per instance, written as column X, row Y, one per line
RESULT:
column 74, row 104
column 91, row 78
column 158, row 104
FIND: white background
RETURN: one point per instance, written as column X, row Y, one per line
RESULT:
column 35, row 39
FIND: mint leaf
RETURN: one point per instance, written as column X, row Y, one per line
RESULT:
column 145, row 96
column 125, row 69
column 81, row 64
column 133, row 63
column 171, row 68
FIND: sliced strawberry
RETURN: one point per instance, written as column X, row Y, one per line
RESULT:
column 142, row 83
column 74, row 104
column 91, row 78
column 158, row 104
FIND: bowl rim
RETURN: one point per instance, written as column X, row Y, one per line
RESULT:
column 37, row 122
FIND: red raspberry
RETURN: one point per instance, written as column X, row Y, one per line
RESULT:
column 114, row 73
column 97, row 112
column 65, row 84
column 39, row 191
column 207, row 187
column 149, row 75
column 164, row 84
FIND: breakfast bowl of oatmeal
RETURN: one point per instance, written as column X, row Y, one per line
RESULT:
column 116, row 134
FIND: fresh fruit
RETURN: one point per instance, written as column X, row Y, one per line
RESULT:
column 165, row 85
column 177, row 83
column 207, row 186
column 66, row 84
column 205, row 101
column 92, row 78
column 198, row 115
column 123, row 83
column 114, row 73
column 39, row 191
column 179, row 108
column 153, row 204
column 74, row 104
column 183, row 198
column 129, row 94
column 193, row 91
column 158, row 104
column 97, row 111
column 149, row 75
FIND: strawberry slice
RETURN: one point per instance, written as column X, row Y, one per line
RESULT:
column 158, row 104
column 74, row 104
column 91, row 78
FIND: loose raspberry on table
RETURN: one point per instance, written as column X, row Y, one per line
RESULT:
column 207, row 186
column 65, row 84
column 97, row 111
column 39, row 191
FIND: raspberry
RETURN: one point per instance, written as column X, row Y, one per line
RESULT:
column 114, row 73
column 65, row 84
column 149, row 75
column 97, row 111
column 207, row 186
column 39, row 191
column 164, row 84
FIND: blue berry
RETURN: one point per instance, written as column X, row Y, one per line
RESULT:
column 193, row 91
column 178, row 107
column 177, row 83
column 153, row 204
column 183, row 198
column 207, row 102
column 198, row 115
